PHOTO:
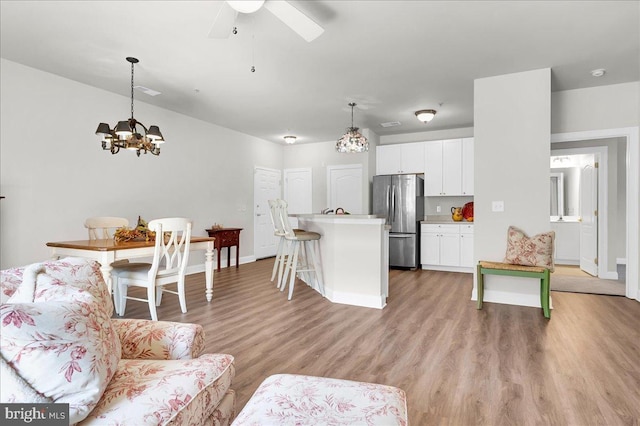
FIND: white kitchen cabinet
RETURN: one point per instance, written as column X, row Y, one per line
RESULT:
column 448, row 167
column 447, row 247
column 400, row 159
column 466, row 246
column 433, row 168
column 452, row 167
column 450, row 249
column 430, row 248
column 467, row 166
column 440, row 244
column 443, row 167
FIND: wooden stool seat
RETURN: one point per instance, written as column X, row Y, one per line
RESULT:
column 510, row 267
column 498, row 268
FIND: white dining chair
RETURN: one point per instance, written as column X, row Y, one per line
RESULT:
column 100, row 227
column 303, row 254
column 169, row 264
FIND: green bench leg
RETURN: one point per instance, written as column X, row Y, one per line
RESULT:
column 480, row 288
column 544, row 294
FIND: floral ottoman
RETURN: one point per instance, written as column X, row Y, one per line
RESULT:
column 287, row 399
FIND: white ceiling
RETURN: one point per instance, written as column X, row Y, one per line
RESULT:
column 390, row 57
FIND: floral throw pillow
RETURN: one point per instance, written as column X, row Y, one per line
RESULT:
column 530, row 251
column 57, row 338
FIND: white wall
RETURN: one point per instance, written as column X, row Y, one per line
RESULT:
column 595, row 108
column 427, row 135
column 54, row 172
column 512, row 116
column 318, row 156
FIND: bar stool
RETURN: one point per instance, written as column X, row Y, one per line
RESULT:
column 302, row 256
column 278, row 231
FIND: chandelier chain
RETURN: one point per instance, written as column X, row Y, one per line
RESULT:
column 132, row 90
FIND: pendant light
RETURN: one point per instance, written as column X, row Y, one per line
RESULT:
column 125, row 133
column 352, row 141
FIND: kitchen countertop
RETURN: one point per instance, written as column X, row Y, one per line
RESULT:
column 443, row 219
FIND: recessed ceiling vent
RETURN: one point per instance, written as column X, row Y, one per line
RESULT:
column 391, row 124
column 147, row 91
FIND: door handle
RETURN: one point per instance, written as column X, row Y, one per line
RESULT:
column 400, row 236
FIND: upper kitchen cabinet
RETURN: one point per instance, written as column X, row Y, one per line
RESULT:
column 467, row 166
column 448, row 167
column 402, row 158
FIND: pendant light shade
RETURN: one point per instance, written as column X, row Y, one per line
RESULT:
column 352, row 141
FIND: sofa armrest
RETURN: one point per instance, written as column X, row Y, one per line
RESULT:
column 144, row 339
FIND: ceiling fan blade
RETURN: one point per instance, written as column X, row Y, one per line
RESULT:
column 296, row 20
column 223, row 22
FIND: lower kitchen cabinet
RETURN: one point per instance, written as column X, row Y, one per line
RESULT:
column 447, row 247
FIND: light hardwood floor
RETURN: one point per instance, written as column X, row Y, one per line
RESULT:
column 503, row 365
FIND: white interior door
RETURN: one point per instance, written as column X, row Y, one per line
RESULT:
column 589, row 220
column 344, row 185
column 266, row 186
column 298, row 190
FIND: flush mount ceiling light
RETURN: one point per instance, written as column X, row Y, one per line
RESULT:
column 290, row 139
column 352, row 141
column 425, row 115
column 599, row 72
column 125, row 133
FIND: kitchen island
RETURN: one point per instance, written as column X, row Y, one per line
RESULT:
column 354, row 255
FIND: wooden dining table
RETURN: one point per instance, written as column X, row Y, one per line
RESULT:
column 108, row 251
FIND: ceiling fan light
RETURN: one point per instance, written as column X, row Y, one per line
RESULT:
column 425, row 115
column 246, row 6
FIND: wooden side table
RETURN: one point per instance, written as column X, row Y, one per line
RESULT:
column 226, row 237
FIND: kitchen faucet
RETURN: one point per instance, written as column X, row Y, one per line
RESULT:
column 326, row 211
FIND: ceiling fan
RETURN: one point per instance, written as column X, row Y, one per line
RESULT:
column 224, row 21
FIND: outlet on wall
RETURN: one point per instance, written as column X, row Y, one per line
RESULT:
column 438, row 209
column 497, row 206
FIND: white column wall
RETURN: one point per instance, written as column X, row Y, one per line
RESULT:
column 512, row 116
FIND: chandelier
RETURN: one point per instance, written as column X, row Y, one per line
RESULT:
column 126, row 135
column 352, row 141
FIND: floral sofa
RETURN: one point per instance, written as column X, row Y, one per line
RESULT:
column 59, row 344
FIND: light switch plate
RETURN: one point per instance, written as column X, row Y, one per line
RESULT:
column 497, row 206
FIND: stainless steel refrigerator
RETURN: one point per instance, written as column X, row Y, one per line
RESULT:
column 401, row 199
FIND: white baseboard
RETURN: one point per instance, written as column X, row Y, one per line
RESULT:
column 465, row 269
column 195, row 269
column 198, row 268
column 507, row 298
column 377, row 302
column 566, row 262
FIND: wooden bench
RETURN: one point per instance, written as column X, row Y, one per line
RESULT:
column 497, row 268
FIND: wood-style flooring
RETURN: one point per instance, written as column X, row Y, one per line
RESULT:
column 503, row 365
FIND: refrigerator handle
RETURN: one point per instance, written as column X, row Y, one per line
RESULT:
column 393, row 203
column 387, row 205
